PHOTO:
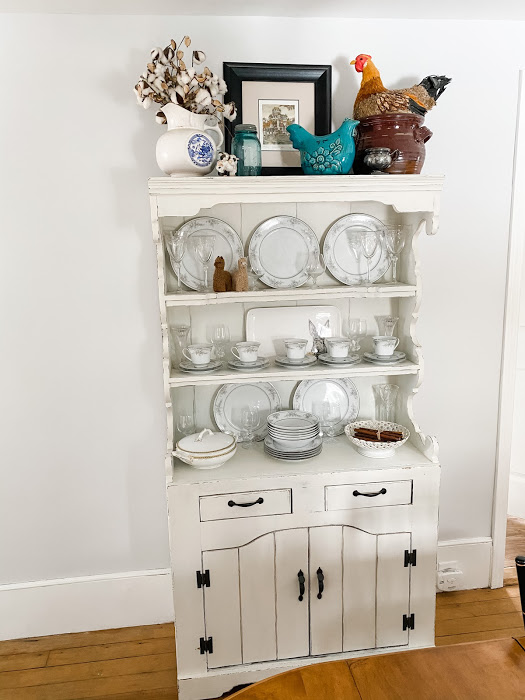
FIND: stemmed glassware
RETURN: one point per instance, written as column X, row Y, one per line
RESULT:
column 203, row 249
column 180, row 335
column 253, row 275
column 176, row 246
column 356, row 332
column 395, row 237
column 220, row 337
column 315, row 267
column 185, row 424
column 250, row 421
column 329, row 414
column 369, row 244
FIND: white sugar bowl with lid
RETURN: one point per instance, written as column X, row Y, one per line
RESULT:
column 206, row 450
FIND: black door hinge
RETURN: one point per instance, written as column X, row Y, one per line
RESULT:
column 410, row 557
column 206, row 645
column 408, row 622
column 203, row 579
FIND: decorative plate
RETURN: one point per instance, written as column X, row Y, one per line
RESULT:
column 279, row 249
column 232, row 398
column 340, row 258
column 342, row 391
column 227, row 243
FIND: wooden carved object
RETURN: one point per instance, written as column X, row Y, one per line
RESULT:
column 222, row 279
column 240, row 276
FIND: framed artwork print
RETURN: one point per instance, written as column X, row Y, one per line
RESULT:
column 273, row 96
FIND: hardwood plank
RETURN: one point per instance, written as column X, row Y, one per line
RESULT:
column 85, row 671
column 478, row 624
column 476, row 594
column 82, row 639
column 478, row 609
column 479, row 636
column 14, row 662
column 94, row 688
column 160, row 694
column 104, row 652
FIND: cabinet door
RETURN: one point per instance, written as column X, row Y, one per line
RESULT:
column 359, row 589
column 393, row 589
column 326, row 608
column 291, row 559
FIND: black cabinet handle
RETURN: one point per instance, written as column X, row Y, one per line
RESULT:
column 246, row 505
column 320, row 581
column 370, row 495
column 300, row 577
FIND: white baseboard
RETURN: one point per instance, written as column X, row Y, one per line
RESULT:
column 474, row 558
column 516, row 505
column 86, row 603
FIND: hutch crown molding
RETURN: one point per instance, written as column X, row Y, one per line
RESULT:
column 327, row 558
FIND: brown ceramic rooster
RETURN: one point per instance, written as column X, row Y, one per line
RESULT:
column 373, row 97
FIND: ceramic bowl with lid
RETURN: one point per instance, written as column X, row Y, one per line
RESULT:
column 206, row 450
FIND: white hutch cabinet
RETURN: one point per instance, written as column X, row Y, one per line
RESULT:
column 278, row 564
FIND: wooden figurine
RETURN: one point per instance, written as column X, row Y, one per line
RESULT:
column 222, row 279
column 240, row 276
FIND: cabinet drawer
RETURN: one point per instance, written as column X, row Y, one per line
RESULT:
column 248, row 504
column 383, row 493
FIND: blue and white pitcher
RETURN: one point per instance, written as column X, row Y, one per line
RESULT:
column 189, row 147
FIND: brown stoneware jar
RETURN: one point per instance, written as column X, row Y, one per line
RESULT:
column 403, row 134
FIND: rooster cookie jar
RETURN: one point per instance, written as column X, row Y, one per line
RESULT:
column 325, row 155
column 393, row 119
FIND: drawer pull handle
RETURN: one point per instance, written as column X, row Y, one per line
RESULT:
column 300, row 577
column 370, row 495
column 320, row 581
column 246, row 505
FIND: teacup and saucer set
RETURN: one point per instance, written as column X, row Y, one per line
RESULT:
column 338, row 352
column 198, row 358
column 295, row 354
column 385, row 352
column 245, row 357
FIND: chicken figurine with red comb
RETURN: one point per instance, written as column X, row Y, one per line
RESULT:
column 374, row 98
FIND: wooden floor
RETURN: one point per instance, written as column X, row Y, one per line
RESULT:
column 138, row 663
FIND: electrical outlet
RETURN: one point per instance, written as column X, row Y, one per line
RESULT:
column 449, row 576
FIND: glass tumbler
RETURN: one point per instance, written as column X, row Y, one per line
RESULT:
column 386, row 400
column 246, row 146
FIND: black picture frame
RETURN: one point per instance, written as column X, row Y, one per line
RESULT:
column 321, row 77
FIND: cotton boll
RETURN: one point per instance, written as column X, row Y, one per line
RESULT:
column 155, row 53
column 199, row 57
column 203, row 97
column 214, row 90
column 147, row 102
column 230, row 112
column 183, row 78
column 223, row 88
column 160, row 118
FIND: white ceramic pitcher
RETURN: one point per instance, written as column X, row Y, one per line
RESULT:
column 189, row 146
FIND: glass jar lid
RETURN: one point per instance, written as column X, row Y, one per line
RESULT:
column 206, row 443
column 246, row 127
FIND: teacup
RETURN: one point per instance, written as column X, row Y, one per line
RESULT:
column 295, row 348
column 338, row 347
column 246, row 351
column 385, row 344
column 199, row 353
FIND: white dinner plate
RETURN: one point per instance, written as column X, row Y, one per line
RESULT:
column 272, row 326
column 227, row 243
column 341, row 391
column 280, row 248
column 232, row 398
column 340, row 258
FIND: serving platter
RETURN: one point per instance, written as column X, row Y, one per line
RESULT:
column 340, row 258
column 227, row 243
column 279, row 250
column 232, row 398
column 341, row 391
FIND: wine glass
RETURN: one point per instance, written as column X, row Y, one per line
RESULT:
column 176, row 246
column 220, row 337
column 315, row 267
column 185, row 424
column 395, row 237
column 356, row 332
column 203, row 249
column 180, row 335
column 354, row 243
column 253, row 275
column 369, row 243
column 329, row 414
column 250, row 421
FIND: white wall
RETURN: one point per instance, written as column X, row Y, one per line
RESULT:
column 81, row 467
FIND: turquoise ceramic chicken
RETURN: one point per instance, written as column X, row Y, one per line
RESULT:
column 325, row 155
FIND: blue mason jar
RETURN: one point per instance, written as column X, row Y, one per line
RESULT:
column 247, row 148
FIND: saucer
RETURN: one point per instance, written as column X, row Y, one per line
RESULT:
column 187, row 366
column 396, row 356
column 260, row 363
column 306, row 361
column 348, row 360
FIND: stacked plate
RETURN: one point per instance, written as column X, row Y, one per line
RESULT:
column 393, row 359
column 293, row 435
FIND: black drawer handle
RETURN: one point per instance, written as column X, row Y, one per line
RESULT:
column 246, row 505
column 320, row 581
column 300, row 577
column 370, row 495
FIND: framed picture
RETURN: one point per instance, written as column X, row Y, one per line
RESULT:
column 273, row 96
